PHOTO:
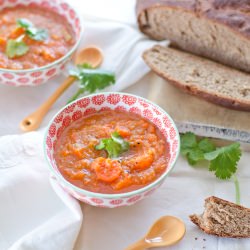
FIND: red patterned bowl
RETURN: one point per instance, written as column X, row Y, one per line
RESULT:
column 111, row 101
column 37, row 76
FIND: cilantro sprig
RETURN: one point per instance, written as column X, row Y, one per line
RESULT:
column 222, row 161
column 194, row 150
column 91, row 79
column 16, row 48
column 114, row 146
column 32, row 31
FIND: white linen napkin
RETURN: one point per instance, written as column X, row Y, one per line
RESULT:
column 32, row 215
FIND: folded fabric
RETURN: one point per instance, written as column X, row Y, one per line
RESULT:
column 32, row 216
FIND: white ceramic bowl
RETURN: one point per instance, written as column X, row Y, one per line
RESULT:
column 37, row 76
column 111, row 101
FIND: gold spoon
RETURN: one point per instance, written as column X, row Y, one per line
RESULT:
column 91, row 55
column 166, row 231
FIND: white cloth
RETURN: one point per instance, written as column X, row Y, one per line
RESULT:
column 32, row 215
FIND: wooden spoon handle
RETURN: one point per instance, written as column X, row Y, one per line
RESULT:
column 34, row 120
column 140, row 245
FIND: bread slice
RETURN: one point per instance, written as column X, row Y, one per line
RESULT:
column 216, row 29
column 201, row 77
column 223, row 218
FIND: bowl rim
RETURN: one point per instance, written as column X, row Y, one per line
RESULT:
column 116, row 195
column 61, row 59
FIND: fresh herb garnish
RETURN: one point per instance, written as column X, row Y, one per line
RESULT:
column 194, row 150
column 16, row 48
column 37, row 34
column 91, row 79
column 33, row 32
column 114, row 146
column 222, row 161
column 24, row 23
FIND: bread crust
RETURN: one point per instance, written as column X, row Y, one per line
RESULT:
column 221, row 201
column 234, row 14
column 195, row 219
column 210, row 97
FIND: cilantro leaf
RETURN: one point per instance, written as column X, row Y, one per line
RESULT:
column 206, row 145
column 188, row 142
column 118, row 139
column 24, row 23
column 223, row 161
column 37, row 34
column 114, row 146
column 33, row 32
column 101, row 145
column 194, row 156
column 85, row 66
column 91, row 79
column 193, row 149
column 190, row 148
column 16, row 48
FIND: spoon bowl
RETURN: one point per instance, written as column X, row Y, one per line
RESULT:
column 91, row 55
column 166, row 231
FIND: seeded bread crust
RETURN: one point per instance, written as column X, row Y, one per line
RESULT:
column 215, row 18
column 195, row 219
column 212, row 96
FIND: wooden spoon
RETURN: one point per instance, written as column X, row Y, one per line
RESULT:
column 91, row 55
column 166, row 231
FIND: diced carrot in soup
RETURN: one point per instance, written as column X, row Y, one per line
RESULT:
column 2, row 42
column 123, row 131
column 143, row 161
column 16, row 33
column 106, row 170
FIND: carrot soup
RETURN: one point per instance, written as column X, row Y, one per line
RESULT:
column 32, row 37
column 111, row 152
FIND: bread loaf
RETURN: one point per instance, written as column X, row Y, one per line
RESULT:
column 216, row 29
column 223, row 218
column 201, row 77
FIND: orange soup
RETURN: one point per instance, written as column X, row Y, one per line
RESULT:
column 83, row 152
column 32, row 37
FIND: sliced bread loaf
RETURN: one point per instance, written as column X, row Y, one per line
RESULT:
column 201, row 77
column 216, row 29
column 223, row 218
